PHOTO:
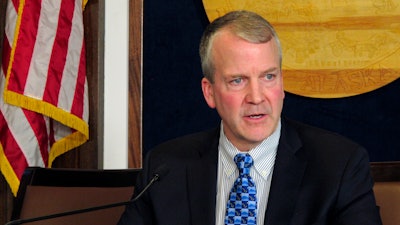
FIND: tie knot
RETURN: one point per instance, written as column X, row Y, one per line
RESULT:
column 243, row 162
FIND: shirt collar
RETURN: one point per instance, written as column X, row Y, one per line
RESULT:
column 263, row 155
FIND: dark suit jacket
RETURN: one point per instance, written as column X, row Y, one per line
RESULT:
column 319, row 178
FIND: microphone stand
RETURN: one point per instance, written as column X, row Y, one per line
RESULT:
column 28, row 220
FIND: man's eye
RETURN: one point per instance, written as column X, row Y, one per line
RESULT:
column 269, row 76
column 237, row 81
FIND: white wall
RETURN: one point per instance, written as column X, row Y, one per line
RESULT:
column 116, row 84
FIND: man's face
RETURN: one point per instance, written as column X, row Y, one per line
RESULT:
column 247, row 90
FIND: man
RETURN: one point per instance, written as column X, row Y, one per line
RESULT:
column 296, row 174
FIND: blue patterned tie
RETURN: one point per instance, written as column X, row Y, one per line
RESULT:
column 242, row 202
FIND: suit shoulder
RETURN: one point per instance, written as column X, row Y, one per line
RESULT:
column 189, row 144
column 323, row 149
column 313, row 137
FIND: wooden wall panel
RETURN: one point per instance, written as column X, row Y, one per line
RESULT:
column 385, row 171
column 135, row 84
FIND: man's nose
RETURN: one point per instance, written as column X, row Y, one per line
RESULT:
column 254, row 93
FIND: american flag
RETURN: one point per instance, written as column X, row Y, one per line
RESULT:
column 44, row 97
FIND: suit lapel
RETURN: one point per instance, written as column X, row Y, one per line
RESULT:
column 286, row 179
column 202, row 184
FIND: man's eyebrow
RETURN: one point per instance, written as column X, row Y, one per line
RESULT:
column 237, row 75
column 272, row 69
column 234, row 75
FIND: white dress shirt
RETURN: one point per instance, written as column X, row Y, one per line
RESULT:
column 264, row 158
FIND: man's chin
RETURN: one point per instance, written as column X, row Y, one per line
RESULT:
column 258, row 137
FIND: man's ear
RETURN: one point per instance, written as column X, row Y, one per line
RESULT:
column 208, row 92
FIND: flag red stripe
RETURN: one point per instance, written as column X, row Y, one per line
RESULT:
column 38, row 125
column 79, row 96
column 24, row 48
column 16, row 4
column 6, row 54
column 11, row 148
column 59, row 53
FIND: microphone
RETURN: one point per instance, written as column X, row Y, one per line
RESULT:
column 162, row 171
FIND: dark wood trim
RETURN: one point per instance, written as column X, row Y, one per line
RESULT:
column 135, row 84
column 6, row 200
column 385, row 171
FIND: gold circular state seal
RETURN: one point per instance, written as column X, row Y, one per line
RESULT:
column 331, row 48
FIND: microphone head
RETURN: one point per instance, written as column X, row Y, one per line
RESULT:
column 161, row 171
